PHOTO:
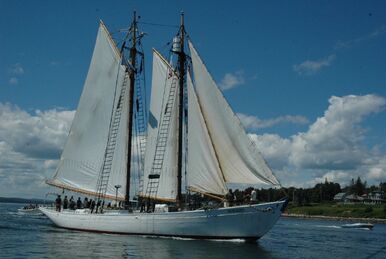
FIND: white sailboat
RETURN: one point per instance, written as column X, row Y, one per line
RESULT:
column 216, row 151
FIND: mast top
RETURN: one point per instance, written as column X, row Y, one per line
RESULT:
column 134, row 16
column 182, row 19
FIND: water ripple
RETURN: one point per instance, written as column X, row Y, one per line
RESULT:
column 24, row 236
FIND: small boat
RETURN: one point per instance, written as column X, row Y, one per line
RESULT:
column 358, row 225
column 31, row 209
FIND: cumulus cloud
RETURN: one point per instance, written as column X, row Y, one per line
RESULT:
column 376, row 168
column 253, row 122
column 30, row 145
column 333, row 145
column 40, row 135
column 336, row 176
column 274, row 148
column 335, row 140
column 310, row 67
column 232, row 80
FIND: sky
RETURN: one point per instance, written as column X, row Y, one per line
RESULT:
column 306, row 78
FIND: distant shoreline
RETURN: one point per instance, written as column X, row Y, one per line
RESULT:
column 303, row 216
column 23, row 200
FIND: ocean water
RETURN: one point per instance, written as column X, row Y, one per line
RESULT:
column 28, row 236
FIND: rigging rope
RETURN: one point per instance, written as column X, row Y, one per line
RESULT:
column 160, row 24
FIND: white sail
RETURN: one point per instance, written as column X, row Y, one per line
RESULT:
column 237, row 154
column 83, row 154
column 204, row 174
column 162, row 80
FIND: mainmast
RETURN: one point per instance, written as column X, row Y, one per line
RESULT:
column 181, row 69
column 132, row 73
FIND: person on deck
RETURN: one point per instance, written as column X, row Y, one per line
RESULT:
column 229, row 197
column 72, row 203
column 86, row 205
column 92, row 206
column 78, row 203
column 58, row 203
column 253, row 197
column 238, row 197
column 98, row 206
column 65, row 203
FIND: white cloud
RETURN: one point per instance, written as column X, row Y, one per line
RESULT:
column 40, row 135
column 332, row 147
column 253, row 122
column 337, row 176
column 378, row 32
column 54, row 63
column 274, row 148
column 335, row 140
column 310, row 67
column 17, row 69
column 13, row 81
column 376, row 168
column 349, row 43
column 232, row 80
column 30, row 145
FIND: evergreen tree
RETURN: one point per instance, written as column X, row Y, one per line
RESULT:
column 359, row 187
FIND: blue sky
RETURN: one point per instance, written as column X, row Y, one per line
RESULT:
column 279, row 64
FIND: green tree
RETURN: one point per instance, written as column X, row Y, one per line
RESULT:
column 360, row 187
column 382, row 186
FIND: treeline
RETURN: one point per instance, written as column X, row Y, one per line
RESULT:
column 321, row 192
column 22, row 200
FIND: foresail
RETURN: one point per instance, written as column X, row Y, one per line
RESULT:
column 237, row 154
column 204, row 173
column 162, row 79
column 83, row 154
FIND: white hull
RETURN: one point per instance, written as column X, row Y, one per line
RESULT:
column 358, row 225
column 247, row 222
column 34, row 211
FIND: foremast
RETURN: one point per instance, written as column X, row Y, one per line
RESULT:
column 132, row 72
column 133, row 36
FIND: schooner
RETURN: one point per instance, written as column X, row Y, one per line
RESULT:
column 193, row 140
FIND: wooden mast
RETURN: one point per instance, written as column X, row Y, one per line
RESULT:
column 132, row 71
column 181, row 67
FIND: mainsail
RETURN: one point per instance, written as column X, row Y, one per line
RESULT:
column 163, row 79
column 237, row 155
column 83, row 154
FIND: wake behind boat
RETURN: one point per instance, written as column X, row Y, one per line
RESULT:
column 194, row 142
column 358, row 225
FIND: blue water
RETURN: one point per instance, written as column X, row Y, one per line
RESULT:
column 26, row 236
